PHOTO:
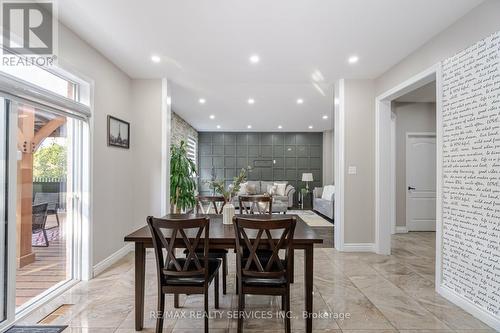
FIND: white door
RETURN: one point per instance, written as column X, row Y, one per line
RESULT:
column 421, row 182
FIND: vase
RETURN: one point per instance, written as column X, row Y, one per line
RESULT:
column 228, row 214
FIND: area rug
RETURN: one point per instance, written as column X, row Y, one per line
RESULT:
column 52, row 235
column 36, row 329
column 311, row 218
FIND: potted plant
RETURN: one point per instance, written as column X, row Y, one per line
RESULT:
column 228, row 193
column 182, row 181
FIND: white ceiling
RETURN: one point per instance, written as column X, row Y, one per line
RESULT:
column 205, row 46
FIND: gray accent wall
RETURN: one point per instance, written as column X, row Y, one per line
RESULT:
column 273, row 156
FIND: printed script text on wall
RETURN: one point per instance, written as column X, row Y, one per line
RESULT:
column 471, row 174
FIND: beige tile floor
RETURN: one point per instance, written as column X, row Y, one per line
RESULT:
column 374, row 293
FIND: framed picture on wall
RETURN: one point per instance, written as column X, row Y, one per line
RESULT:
column 118, row 133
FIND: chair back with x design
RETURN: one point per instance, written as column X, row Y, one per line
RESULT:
column 188, row 233
column 261, row 204
column 205, row 203
column 271, row 234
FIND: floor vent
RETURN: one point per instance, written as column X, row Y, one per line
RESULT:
column 54, row 315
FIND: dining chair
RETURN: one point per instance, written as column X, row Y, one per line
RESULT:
column 190, row 275
column 203, row 206
column 205, row 203
column 261, row 204
column 264, row 275
column 38, row 221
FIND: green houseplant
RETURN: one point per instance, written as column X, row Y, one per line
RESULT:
column 182, row 181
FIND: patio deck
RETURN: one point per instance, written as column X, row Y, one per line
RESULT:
column 48, row 269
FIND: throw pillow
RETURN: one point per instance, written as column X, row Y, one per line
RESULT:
column 251, row 189
column 271, row 189
column 243, row 189
column 280, row 189
column 328, row 192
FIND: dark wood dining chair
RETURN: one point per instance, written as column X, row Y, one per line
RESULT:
column 203, row 206
column 261, row 204
column 38, row 221
column 190, row 275
column 264, row 275
column 205, row 203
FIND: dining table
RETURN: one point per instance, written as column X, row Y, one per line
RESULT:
column 222, row 236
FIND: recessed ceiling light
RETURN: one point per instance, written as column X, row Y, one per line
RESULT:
column 353, row 59
column 300, row 101
column 337, row 101
column 249, row 126
column 202, row 101
column 212, row 116
column 280, row 127
column 218, row 126
column 310, row 126
column 325, row 117
column 155, row 58
column 251, row 101
column 254, row 58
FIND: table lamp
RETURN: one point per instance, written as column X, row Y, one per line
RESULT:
column 307, row 177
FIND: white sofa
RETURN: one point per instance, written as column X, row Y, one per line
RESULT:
column 323, row 200
column 261, row 188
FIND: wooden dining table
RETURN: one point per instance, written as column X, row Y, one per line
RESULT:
column 222, row 236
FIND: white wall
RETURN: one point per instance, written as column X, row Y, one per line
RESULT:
column 126, row 184
column 410, row 117
column 359, row 188
column 147, row 103
column 112, row 200
column 328, row 157
column 360, row 96
column 476, row 25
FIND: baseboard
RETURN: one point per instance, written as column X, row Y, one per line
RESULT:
column 401, row 229
column 358, row 247
column 468, row 306
column 109, row 261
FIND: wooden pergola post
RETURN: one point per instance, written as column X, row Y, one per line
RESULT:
column 28, row 143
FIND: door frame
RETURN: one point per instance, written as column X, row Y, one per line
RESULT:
column 385, row 178
column 413, row 135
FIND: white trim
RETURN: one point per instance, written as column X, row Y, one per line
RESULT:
column 439, row 176
column 339, row 162
column 384, row 207
column 401, row 229
column 113, row 258
column 393, row 172
column 16, row 89
column 468, row 306
column 359, row 247
column 166, row 119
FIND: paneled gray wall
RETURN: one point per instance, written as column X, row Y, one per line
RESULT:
column 273, row 156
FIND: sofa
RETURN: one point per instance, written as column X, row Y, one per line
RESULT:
column 323, row 200
column 261, row 188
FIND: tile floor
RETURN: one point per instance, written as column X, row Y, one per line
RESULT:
column 374, row 293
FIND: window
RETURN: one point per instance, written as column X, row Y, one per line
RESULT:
column 192, row 149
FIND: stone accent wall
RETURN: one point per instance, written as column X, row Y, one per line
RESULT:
column 181, row 129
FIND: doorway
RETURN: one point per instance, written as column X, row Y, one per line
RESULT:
column 390, row 196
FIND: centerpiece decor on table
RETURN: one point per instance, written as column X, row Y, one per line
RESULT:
column 229, row 193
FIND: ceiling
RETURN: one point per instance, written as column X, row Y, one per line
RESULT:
column 424, row 94
column 303, row 45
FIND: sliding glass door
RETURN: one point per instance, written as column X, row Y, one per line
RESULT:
column 3, row 210
column 42, row 254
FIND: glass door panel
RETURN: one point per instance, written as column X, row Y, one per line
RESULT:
column 45, row 214
column 3, row 210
